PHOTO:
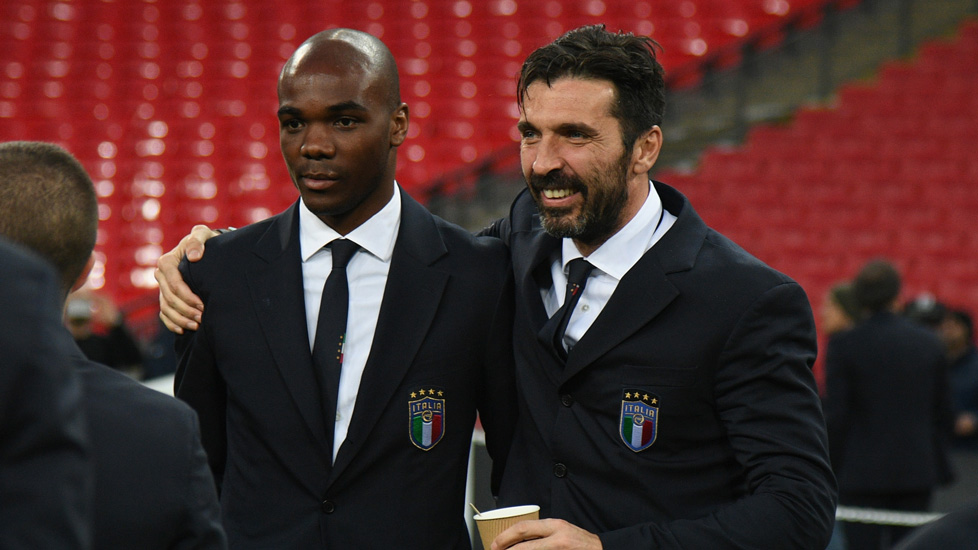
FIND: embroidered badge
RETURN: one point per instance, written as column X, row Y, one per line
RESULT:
column 426, row 424
column 639, row 418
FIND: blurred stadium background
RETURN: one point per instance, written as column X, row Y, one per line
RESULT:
column 817, row 134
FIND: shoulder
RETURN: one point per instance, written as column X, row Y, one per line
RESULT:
column 228, row 251
column 114, row 397
column 468, row 254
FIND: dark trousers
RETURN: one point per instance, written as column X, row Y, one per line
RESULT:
column 867, row 536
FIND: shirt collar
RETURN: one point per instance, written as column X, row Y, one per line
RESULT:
column 623, row 249
column 376, row 235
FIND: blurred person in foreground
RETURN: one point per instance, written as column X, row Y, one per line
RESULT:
column 152, row 485
column 45, row 461
column 677, row 409
column 956, row 530
column 887, row 408
column 360, row 436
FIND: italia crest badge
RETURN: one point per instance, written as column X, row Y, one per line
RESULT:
column 426, row 417
column 639, row 418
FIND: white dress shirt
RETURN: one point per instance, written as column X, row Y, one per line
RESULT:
column 611, row 261
column 367, row 276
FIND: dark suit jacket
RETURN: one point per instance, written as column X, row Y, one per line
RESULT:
column 153, row 488
column 888, row 407
column 958, row 530
column 724, row 345
column 45, row 467
column 445, row 324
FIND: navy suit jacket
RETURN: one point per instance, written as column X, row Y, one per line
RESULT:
column 445, row 324
column 707, row 349
column 45, row 466
column 153, row 489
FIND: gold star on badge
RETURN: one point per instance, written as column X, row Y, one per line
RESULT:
column 645, row 397
column 413, row 395
column 655, row 401
column 628, row 395
column 431, row 392
column 441, row 393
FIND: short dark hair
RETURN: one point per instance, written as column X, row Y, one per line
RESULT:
column 48, row 204
column 843, row 295
column 877, row 285
column 964, row 318
column 627, row 61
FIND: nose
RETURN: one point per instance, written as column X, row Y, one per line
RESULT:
column 318, row 143
column 545, row 156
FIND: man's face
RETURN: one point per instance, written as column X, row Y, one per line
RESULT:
column 339, row 137
column 575, row 165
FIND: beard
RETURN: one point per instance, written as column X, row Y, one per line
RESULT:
column 604, row 194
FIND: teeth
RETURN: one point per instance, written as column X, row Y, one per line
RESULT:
column 557, row 193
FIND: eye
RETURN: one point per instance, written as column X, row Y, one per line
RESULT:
column 528, row 134
column 292, row 124
column 346, row 122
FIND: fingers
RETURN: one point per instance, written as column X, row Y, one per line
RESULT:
column 193, row 244
column 522, row 531
column 180, row 308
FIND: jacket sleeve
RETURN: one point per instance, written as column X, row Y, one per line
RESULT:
column 766, row 398
column 497, row 405
column 199, row 383
column 201, row 528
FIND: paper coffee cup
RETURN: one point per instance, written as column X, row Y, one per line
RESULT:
column 496, row 521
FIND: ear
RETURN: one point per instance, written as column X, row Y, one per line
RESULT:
column 83, row 278
column 399, row 125
column 646, row 150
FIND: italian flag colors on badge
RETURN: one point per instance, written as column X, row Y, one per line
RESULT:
column 427, row 417
column 639, row 419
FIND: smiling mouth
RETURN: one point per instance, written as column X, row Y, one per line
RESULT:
column 557, row 193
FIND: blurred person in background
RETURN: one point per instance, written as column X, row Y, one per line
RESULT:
column 840, row 310
column 887, row 409
column 957, row 333
column 99, row 329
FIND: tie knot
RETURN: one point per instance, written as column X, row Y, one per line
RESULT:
column 578, row 270
column 343, row 250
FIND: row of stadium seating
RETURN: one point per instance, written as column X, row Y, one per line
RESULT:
column 888, row 171
column 171, row 104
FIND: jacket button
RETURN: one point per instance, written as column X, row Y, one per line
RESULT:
column 566, row 400
column 560, row 470
column 328, row 507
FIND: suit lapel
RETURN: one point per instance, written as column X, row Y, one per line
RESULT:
column 281, row 314
column 534, row 274
column 645, row 290
column 642, row 293
column 411, row 299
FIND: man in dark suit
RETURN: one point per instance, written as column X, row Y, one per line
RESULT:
column 678, row 408
column 888, row 409
column 380, row 459
column 45, row 461
column 152, row 485
column 675, row 406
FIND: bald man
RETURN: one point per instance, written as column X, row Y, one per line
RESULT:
column 377, row 459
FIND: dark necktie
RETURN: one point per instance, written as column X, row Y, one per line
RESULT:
column 327, row 351
column 577, row 273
